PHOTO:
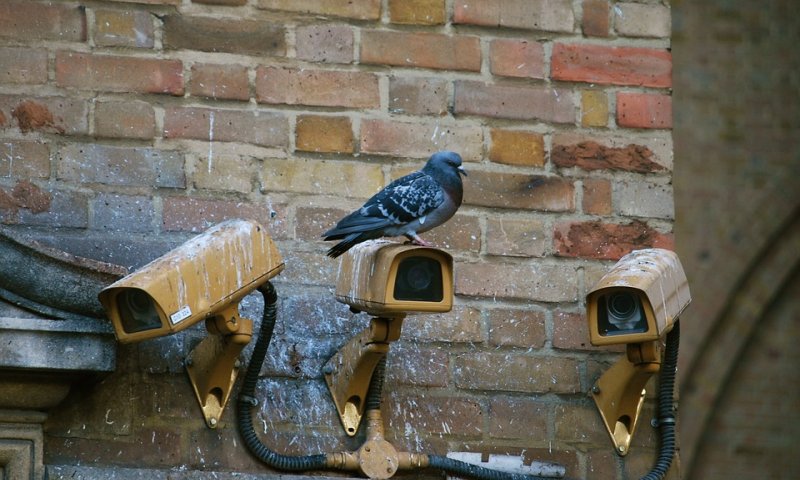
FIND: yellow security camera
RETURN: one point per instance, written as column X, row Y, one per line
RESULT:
column 203, row 279
column 636, row 303
column 383, row 278
column 386, row 280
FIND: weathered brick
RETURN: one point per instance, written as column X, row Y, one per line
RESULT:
column 417, row 12
column 124, row 119
column 644, row 110
column 520, row 191
column 597, row 196
column 26, row 196
column 65, row 209
column 513, row 372
column 291, row 401
column 525, row 281
column 129, row 28
column 461, row 325
column 642, row 20
column 606, row 241
column 355, row 9
column 322, row 88
column 207, row 34
column 462, row 232
column 24, row 159
column 197, row 214
column 259, row 128
column 644, row 199
column 595, row 21
column 122, row 213
column 570, row 331
column 23, row 65
column 63, row 115
column 602, row 465
column 229, row 3
column 637, row 66
column 420, row 140
column 224, row 171
column 516, row 238
column 418, row 365
column 311, row 222
column 516, row 58
column 546, row 15
column 517, row 147
column 579, row 424
column 118, row 73
column 317, row 133
column 514, row 417
column 325, row 43
column 334, row 178
column 418, row 96
column 227, row 82
column 424, row 50
column 591, row 155
column 514, row 102
column 112, row 165
column 594, row 108
column 517, row 328
column 438, row 415
column 27, row 21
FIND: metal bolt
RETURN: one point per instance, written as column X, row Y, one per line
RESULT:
column 189, row 361
column 237, row 364
column 327, row 369
column 596, row 390
column 621, row 449
column 212, row 421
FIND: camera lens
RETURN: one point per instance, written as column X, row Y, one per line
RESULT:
column 419, row 279
column 621, row 312
column 137, row 311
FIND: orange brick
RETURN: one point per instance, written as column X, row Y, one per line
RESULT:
column 606, row 241
column 595, row 21
column 317, row 133
column 597, row 198
column 644, row 110
column 424, row 50
column 516, row 147
column 647, row 67
column 118, row 73
column 516, row 58
column 220, row 81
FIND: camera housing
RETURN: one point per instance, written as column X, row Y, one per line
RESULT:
column 639, row 299
column 198, row 280
column 385, row 278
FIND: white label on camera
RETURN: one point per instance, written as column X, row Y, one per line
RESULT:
column 180, row 315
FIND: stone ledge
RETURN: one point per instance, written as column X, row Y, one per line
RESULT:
column 72, row 472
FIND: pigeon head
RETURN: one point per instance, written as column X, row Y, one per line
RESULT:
column 444, row 163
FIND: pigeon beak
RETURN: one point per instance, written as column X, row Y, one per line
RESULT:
column 462, row 171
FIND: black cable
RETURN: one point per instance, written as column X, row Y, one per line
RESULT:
column 247, row 399
column 375, row 391
column 666, row 413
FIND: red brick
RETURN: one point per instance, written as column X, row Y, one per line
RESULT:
column 517, row 328
column 124, row 119
column 325, row 43
column 570, row 331
column 514, row 102
column 520, row 191
column 23, row 65
column 591, row 155
column 420, row 140
column 511, row 372
column 595, row 22
column 597, row 196
column 418, row 96
column 118, row 74
column 461, row 325
column 248, row 37
column 63, row 115
column 355, row 9
column 516, row 58
column 647, row 67
column 417, row 12
column 113, row 165
column 517, row 147
column 606, row 241
column 317, row 133
column 228, row 82
column 602, row 464
column 130, row 28
column 516, row 238
column 514, row 417
column 197, row 214
column 543, row 282
column 644, row 110
column 438, row 415
column 580, row 424
column 24, row 21
column 424, row 50
column 322, row 88
column 546, row 15
column 258, row 128
column 24, row 159
column 418, row 365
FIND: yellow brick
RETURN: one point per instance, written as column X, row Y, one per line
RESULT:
column 421, row 12
column 594, row 108
column 348, row 179
column 316, row 133
column 517, row 148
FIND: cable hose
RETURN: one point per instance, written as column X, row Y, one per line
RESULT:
column 375, row 391
column 247, row 400
column 666, row 414
column 464, row 469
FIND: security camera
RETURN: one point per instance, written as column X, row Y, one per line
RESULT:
column 198, row 280
column 639, row 299
column 203, row 279
column 384, row 278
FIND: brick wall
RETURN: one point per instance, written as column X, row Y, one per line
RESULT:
column 125, row 127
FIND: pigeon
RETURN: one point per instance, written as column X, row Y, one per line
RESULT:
column 408, row 206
